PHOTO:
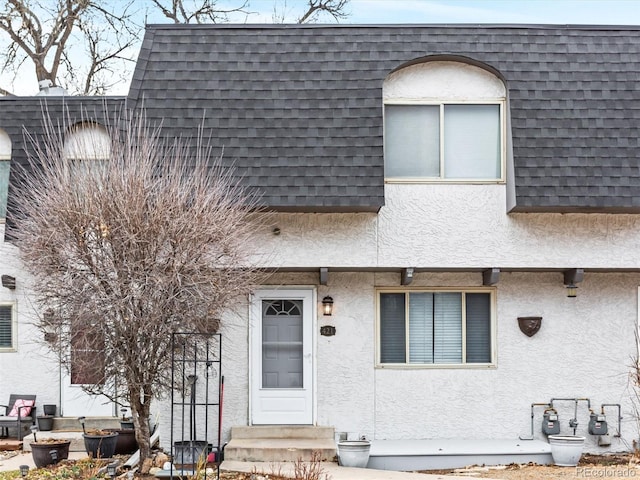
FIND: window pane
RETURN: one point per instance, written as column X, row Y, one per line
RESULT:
column 478, row 310
column 412, row 140
column 4, row 186
column 392, row 328
column 5, row 326
column 420, row 328
column 472, row 141
column 447, row 328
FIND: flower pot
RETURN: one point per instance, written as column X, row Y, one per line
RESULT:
column 566, row 450
column 354, row 453
column 126, row 440
column 188, row 454
column 100, row 446
column 45, row 423
column 43, row 452
column 49, row 409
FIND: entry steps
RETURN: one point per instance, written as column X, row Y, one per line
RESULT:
column 275, row 443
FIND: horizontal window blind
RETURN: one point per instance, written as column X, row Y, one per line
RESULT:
column 435, row 327
column 6, row 325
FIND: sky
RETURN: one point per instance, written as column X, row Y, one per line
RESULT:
column 601, row 12
column 571, row 12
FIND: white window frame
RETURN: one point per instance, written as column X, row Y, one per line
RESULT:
column 497, row 101
column 14, row 328
column 492, row 291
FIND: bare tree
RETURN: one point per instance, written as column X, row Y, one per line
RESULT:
column 125, row 251
column 202, row 11
column 333, row 8
column 51, row 34
column 336, row 9
column 48, row 33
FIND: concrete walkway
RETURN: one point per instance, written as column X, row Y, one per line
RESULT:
column 335, row 471
column 14, row 462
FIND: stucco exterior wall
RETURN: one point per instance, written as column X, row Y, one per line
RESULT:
column 28, row 369
column 584, row 348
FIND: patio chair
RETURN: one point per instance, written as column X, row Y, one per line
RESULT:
column 20, row 412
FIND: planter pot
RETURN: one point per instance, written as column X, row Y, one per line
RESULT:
column 566, row 450
column 100, row 446
column 126, row 442
column 354, row 453
column 45, row 423
column 43, row 455
column 49, row 409
column 188, row 454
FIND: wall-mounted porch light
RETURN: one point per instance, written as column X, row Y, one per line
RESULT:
column 572, row 291
column 571, row 278
column 327, row 306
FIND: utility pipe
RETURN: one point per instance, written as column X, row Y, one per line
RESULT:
column 617, row 435
column 573, row 423
column 533, row 405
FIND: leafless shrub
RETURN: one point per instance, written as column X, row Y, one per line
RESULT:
column 126, row 250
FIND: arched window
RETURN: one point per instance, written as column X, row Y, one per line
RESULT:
column 5, row 163
column 444, row 121
column 87, row 141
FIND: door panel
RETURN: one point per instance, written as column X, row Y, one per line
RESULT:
column 282, row 357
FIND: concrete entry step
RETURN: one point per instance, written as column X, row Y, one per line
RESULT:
column 275, row 443
column 282, row 431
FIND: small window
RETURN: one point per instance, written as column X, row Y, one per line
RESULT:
column 421, row 328
column 7, row 328
column 443, row 142
column 5, row 164
column 87, row 141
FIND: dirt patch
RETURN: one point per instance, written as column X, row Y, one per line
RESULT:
column 591, row 466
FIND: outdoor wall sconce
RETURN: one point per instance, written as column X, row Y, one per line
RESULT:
column 24, row 470
column 571, row 278
column 9, row 282
column 327, row 306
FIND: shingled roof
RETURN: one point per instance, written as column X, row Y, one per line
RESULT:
column 22, row 115
column 299, row 108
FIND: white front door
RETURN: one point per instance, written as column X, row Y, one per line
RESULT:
column 282, row 357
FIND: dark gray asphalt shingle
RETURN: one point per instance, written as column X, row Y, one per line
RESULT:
column 300, row 106
column 298, row 109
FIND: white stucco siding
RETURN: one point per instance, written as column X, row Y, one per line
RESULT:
column 457, row 226
column 29, row 369
column 583, row 349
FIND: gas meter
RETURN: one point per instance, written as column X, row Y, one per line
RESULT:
column 550, row 423
column 597, row 424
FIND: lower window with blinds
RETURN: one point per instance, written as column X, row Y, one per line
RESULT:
column 423, row 328
column 7, row 328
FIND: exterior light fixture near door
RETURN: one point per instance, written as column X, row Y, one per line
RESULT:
column 327, row 306
column 572, row 290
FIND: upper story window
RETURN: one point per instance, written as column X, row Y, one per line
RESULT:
column 5, row 164
column 444, row 121
column 87, row 141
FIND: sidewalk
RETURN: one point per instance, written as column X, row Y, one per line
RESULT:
column 14, row 462
column 335, row 471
